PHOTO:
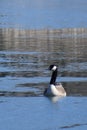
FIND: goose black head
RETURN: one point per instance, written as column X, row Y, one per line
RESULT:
column 53, row 67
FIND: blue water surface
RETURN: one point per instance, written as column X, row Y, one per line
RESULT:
column 31, row 14
column 41, row 113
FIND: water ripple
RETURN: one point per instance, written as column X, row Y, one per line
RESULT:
column 72, row 126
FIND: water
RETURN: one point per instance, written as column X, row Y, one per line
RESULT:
column 40, row 113
column 43, row 13
column 24, row 58
column 33, row 35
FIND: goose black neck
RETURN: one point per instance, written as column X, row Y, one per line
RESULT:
column 53, row 77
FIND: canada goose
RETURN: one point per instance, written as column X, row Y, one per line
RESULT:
column 54, row 89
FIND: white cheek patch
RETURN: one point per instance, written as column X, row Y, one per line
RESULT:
column 54, row 68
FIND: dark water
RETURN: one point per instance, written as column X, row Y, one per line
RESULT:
column 24, row 58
